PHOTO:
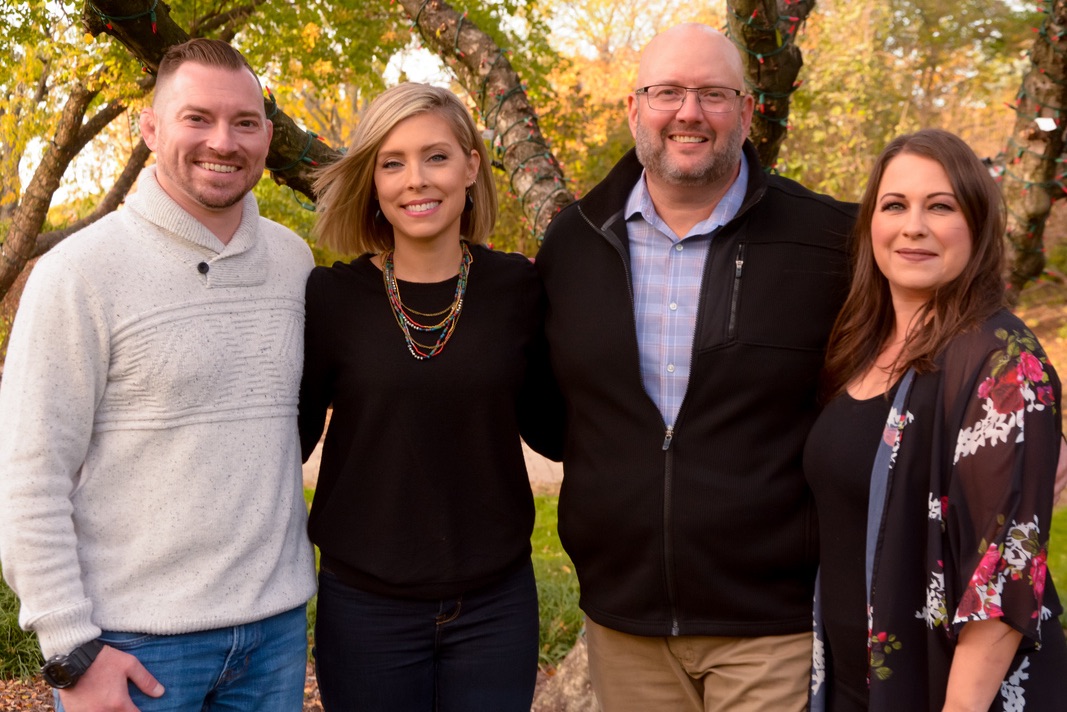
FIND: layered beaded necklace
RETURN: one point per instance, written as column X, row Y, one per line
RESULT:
column 403, row 314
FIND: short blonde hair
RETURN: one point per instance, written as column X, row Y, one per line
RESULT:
column 345, row 189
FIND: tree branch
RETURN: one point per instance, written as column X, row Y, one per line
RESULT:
column 232, row 18
column 294, row 152
column 483, row 70
column 18, row 247
column 111, row 201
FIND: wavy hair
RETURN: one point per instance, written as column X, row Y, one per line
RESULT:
column 866, row 321
column 345, row 189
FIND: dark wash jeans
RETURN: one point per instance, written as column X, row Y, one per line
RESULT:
column 467, row 654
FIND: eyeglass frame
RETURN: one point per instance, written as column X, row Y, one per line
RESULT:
column 644, row 90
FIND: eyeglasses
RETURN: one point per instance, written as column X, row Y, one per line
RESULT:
column 669, row 97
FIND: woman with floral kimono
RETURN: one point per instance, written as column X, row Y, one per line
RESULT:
column 932, row 463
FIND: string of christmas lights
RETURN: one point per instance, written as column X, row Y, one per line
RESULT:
column 1024, row 240
column 489, row 107
column 784, row 27
column 110, row 19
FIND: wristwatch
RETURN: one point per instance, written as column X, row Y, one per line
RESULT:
column 62, row 671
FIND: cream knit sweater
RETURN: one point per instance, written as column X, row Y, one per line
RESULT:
column 149, row 461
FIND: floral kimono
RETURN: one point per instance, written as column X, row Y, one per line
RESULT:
column 965, row 526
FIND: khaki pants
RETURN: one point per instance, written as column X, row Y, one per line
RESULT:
column 632, row 673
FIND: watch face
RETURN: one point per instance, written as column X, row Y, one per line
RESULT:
column 57, row 675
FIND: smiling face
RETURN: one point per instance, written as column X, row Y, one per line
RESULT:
column 690, row 147
column 919, row 235
column 210, row 136
column 421, row 174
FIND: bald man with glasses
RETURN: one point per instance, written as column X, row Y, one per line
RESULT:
column 691, row 295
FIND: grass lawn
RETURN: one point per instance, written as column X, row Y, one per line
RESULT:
column 557, row 586
column 1057, row 555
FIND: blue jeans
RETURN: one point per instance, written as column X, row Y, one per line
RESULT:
column 477, row 651
column 255, row 667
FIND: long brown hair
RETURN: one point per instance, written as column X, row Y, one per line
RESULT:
column 867, row 319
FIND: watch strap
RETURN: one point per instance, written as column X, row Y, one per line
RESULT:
column 86, row 653
column 63, row 671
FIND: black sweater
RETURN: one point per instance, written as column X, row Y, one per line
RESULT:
column 423, row 491
column 710, row 531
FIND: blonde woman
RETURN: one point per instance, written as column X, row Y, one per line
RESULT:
column 429, row 347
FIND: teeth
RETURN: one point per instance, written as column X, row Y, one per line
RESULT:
column 688, row 139
column 423, row 207
column 218, row 167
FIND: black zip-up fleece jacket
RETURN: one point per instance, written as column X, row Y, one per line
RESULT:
column 708, row 529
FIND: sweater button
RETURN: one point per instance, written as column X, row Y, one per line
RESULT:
column 203, row 267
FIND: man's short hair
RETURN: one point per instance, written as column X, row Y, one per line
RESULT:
column 201, row 50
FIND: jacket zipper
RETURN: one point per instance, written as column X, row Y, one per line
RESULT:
column 668, row 437
column 735, row 295
column 668, row 550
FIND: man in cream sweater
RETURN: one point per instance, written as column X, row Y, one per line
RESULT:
column 151, row 513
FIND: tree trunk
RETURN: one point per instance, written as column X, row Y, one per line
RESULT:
column 1033, row 173
column 479, row 64
column 764, row 31
column 111, row 201
column 294, row 152
column 481, row 67
column 71, row 135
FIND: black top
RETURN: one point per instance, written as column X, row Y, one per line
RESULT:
column 423, row 491
column 964, row 533
column 837, row 462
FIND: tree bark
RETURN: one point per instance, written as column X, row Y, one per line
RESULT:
column 1033, row 174
column 111, row 201
column 481, row 67
column 764, row 31
column 18, row 247
column 485, row 72
column 294, row 152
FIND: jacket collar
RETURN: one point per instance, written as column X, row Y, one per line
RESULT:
column 605, row 203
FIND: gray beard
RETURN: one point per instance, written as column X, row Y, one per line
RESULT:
column 718, row 168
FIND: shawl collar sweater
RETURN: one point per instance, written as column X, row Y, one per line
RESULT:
column 149, row 460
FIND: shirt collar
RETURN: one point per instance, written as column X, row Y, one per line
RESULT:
column 640, row 203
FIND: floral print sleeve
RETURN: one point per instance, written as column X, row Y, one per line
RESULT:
column 998, row 506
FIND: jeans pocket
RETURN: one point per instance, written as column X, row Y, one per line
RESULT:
column 125, row 641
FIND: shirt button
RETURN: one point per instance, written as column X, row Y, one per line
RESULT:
column 203, row 267
column 678, row 247
column 670, row 368
column 674, row 306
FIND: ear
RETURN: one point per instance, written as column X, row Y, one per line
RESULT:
column 747, row 107
column 148, row 127
column 474, row 162
column 633, row 104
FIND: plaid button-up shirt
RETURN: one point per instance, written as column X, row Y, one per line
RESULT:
column 667, row 272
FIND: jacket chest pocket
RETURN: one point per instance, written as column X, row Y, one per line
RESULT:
column 779, row 294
